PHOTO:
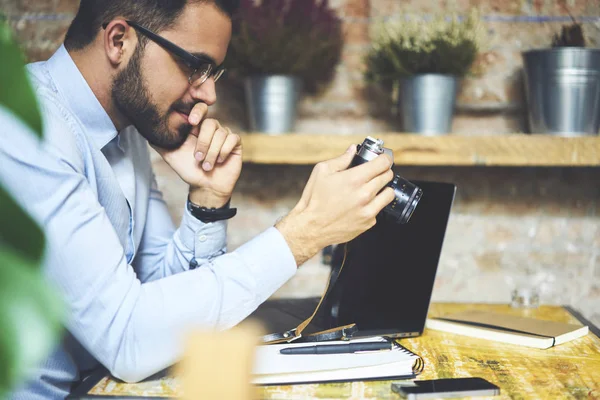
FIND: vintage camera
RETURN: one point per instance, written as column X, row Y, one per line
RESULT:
column 407, row 194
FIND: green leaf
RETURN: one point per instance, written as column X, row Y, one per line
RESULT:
column 19, row 231
column 30, row 317
column 16, row 93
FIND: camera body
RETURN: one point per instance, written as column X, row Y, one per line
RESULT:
column 407, row 194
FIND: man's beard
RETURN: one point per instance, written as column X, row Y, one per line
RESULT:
column 131, row 96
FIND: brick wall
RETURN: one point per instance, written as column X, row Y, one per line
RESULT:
column 506, row 221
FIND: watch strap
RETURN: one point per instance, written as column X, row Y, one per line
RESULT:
column 211, row 214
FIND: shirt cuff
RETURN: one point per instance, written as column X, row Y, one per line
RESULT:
column 270, row 260
column 205, row 240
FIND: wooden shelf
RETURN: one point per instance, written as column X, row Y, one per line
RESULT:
column 447, row 150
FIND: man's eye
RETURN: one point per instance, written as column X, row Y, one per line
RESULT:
column 202, row 72
column 204, row 69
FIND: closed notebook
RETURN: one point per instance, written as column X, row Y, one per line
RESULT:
column 530, row 332
column 271, row 367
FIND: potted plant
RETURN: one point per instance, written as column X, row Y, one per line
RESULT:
column 30, row 311
column 562, row 85
column 279, row 48
column 425, row 59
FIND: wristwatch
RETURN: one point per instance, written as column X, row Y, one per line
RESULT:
column 212, row 214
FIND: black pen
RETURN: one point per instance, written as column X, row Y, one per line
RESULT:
column 338, row 348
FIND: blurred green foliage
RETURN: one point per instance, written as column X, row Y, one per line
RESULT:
column 30, row 311
column 442, row 45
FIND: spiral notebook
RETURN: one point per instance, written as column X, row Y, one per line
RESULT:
column 273, row 368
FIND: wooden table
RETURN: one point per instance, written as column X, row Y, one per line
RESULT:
column 570, row 370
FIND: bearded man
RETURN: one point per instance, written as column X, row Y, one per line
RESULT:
column 133, row 73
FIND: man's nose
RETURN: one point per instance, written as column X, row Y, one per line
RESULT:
column 205, row 92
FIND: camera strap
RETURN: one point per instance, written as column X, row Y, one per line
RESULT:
column 344, row 332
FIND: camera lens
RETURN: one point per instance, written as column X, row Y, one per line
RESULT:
column 407, row 198
column 407, row 193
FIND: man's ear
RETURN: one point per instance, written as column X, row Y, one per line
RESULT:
column 120, row 40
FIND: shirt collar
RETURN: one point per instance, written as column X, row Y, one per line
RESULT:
column 80, row 98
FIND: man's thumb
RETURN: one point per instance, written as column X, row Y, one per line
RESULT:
column 343, row 162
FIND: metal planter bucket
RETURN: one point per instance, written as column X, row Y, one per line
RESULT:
column 427, row 103
column 272, row 102
column 563, row 90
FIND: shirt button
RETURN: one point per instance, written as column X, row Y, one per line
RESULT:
column 202, row 238
column 193, row 263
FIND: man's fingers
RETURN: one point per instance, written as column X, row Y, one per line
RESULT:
column 308, row 189
column 198, row 113
column 375, row 185
column 369, row 170
column 216, row 144
column 342, row 162
column 205, row 137
column 384, row 198
column 195, row 131
column 232, row 141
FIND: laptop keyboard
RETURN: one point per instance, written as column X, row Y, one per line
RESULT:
column 300, row 308
column 290, row 312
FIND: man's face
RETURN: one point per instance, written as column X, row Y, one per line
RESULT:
column 153, row 91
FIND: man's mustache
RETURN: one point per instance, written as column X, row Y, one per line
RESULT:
column 183, row 107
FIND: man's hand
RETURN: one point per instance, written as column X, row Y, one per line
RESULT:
column 210, row 160
column 337, row 204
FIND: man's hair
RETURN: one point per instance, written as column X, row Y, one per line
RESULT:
column 155, row 15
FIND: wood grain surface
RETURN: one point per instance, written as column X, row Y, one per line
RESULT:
column 567, row 371
column 412, row 149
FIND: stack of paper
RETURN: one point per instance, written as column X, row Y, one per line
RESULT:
column 272, row 367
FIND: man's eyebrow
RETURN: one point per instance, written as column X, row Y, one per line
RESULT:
column 205, row 57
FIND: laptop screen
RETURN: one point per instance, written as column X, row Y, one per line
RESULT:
column 386, row 283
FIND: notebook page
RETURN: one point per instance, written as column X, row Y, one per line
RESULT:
column 270, row 361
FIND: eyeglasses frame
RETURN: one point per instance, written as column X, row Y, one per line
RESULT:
column 188, row 58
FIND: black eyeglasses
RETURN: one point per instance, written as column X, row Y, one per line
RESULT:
column 202, row 69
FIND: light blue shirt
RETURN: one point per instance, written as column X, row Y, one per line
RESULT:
column 113, row 252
